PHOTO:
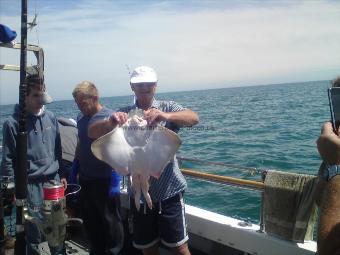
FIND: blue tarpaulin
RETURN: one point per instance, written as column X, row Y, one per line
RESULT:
column 6, row 34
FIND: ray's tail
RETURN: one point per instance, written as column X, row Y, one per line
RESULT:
column 140, row 184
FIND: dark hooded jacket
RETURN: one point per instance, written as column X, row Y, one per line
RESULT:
column 43, row 145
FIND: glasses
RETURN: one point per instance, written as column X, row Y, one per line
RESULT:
column 84, row 100
column 144, row 84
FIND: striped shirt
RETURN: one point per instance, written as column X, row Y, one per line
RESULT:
column 171, row 181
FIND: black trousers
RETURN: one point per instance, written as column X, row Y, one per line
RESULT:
column 101, row 215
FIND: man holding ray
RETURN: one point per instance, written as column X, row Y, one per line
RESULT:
column 165, row 221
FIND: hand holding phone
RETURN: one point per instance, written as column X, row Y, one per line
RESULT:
column 334, row 106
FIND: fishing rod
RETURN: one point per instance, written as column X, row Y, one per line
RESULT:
column 20, row 169
column 251, row 170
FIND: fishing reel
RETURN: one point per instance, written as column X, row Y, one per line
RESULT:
column 54, row 213
column 53, row 222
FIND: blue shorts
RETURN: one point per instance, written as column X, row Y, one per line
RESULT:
column 165, row 223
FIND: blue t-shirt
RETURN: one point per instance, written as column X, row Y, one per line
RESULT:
column 89, row 166
column 115, row 183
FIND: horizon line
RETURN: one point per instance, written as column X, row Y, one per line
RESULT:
column 166, row 92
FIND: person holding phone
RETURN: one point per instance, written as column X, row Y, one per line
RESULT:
column 328, row 144
column 334, row 104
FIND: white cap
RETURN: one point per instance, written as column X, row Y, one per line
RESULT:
column 46, row 98
column 143, row 74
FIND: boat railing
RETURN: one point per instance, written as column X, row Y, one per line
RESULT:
column 254, row 185
column 257, row 185
column 230, row 181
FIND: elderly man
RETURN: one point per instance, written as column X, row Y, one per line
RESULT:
column 43, row 155
column 329, row 222
column 100, row 207
column 165, row 222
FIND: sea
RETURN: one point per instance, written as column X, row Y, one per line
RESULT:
column 265, row 127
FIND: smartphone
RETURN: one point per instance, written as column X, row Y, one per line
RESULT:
column 334, row 106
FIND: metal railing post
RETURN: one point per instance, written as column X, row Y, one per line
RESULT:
column 262, row 225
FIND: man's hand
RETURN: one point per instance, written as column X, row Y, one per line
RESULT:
column 102, row 127
column 153, row 116
column 118, row 118
column 329, row 145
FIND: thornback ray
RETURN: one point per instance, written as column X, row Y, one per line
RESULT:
column 137, row 149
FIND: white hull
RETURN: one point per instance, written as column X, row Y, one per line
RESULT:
column 211, row 230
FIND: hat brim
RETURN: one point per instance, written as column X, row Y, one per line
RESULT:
column 135, row 80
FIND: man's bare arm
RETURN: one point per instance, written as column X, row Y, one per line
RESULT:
column 329, row 220
column 103, row 127
column 182, row 118
column 329, row 145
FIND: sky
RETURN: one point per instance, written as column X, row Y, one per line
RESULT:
column 192, row 45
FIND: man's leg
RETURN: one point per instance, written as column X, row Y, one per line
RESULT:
column 145, row 229
column 34, row 201
column 153, row 250
column 33, row 238
column 173, row 225
column 112, row 223
column 107, row 234
column 181, row 250
column 92, row 221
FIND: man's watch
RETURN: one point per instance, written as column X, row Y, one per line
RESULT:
column 331, row 171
